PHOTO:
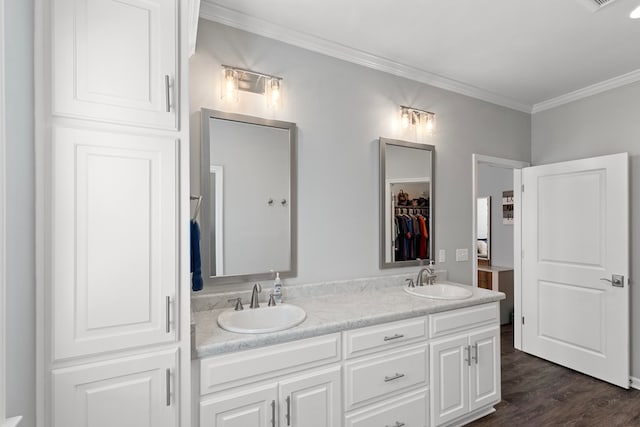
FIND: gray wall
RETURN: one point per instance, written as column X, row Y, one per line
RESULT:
column 492, row 181
column 341, row 110
column 601, row 124
column 20, row 211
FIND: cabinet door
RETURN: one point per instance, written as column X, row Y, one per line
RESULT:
column 114, row 241
column 112, row 58
column 450, row 379
column 485, row 368
column 128, row 392
column 312, row 400
column 249, row 407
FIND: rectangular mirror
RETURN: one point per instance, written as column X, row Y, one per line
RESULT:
column 248, row 181
column 406, row 203
column 483, row 227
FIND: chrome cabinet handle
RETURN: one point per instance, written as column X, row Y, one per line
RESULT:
column 475, row 353
column 167, row 95
column 168, row 307
column 273, row 413
column 394, row 337
column 397, row 424
column 393, row 377
column 468, row 358
column 288, row 399
column 167, row 378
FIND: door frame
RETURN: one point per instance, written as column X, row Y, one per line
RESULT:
column 516, row 165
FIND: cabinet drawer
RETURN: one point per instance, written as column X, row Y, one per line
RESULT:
column 381, row 337
column 388, row 373
column 406, row 410
column 233, row 369
column 449, row 322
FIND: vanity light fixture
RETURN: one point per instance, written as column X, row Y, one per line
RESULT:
column 635, row 13
column 425, row 120
column 238, row 79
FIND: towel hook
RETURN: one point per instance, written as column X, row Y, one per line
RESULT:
column 198, row 203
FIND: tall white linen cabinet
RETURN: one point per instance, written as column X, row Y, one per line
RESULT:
column 112, row 161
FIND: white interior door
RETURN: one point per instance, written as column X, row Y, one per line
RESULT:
column 575, row 239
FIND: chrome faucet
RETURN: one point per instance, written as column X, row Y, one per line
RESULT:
column 254, row 296
column 431, row 276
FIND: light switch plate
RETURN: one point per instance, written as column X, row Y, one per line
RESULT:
column 442, row 255
column 462, row 254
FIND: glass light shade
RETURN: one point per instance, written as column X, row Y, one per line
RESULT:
column 404, row 118
column 430, row 122
column 635, row 13
column 229, row 85
column 273, row 93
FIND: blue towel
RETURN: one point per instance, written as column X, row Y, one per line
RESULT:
column 196, row 262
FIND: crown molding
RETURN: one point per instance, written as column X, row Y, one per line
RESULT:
column 585, row 92
column 214, row 12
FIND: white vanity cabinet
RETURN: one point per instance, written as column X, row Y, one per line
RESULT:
column 116, row 61
column 294, row 384
column 465, row 365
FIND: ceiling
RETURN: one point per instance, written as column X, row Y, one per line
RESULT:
column 524, row 54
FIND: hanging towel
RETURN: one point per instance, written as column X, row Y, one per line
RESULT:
column 196, row 262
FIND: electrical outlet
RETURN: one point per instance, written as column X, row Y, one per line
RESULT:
column 442, row 255
column 462, row 254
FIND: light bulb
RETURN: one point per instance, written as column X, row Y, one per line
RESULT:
column 635, row 13
column 404, row 118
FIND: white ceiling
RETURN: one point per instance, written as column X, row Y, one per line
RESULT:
column 524, row 54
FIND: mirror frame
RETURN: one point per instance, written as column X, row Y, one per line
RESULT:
column 488, row 239
column 384, row 142
column 205, row 191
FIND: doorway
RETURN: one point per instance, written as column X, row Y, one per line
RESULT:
column 496, row 239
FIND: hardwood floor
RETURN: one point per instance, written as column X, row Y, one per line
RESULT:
column 540, row 393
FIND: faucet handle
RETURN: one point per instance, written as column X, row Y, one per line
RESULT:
column 238, row 301
column 272, row 301
column 411, row 283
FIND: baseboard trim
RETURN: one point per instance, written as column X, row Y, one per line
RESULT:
column 635, row 383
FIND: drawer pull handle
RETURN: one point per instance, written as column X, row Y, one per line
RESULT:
column 395, row 337
column 168, row 310
column 397, row 424
column 468, row 358
column 394, row 377
column 475, row 353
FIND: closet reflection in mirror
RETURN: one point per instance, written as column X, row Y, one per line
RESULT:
column 248, row 182
column 483, row 227
column 406, row 207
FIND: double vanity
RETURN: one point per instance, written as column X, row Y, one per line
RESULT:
column 367, row 353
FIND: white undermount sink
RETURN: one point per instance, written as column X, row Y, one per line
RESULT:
column 262, row 319
column 440, row 291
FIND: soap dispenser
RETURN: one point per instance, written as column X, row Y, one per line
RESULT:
column 277, row 289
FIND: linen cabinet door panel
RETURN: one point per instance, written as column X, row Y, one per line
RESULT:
column 248, row 407
column 312, row 400
column 128, row 392
column 485, row 369
column 115, row 240
column 450, row 379
column 116, row 60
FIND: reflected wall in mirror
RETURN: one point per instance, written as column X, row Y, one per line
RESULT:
column 248, row 182
column 483, row 227
column 406, row 203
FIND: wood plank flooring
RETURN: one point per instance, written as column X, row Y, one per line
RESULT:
column 537, row 393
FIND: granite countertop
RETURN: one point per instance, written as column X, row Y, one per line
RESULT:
column 328, row 314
